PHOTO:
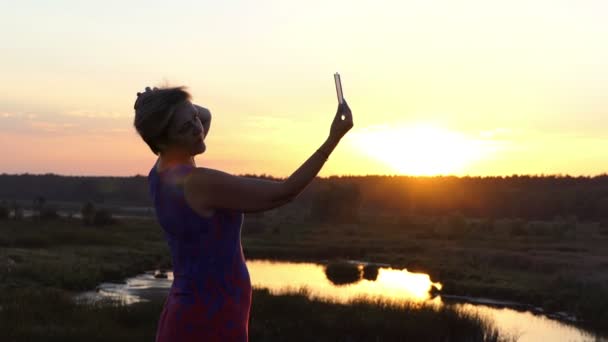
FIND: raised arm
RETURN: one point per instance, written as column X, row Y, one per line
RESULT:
column 342, row 123
column 210, row 189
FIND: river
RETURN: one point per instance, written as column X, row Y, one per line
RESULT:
column 385, row 282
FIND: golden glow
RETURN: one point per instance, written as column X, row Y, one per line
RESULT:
column 391, row 285
column 422, row 149
column 272, row 95
column 395, row 282
column 526, row 326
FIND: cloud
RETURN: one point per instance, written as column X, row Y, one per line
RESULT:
column 267, row 122
column 18, row 115
column 62, row 124
column 88, row 113
column 46, row 126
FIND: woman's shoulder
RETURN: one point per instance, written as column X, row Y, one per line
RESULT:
column 171, row 184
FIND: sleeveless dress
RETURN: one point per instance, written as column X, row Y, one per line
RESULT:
column 210, row 297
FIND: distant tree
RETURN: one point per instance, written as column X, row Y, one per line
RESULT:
column 49, row 213
column 518, row 196
column 17, row 211
column 103, row 217
column 338, row 203
column 88, row 213
column 370, row 272
column 38, row 206
column 4, row 212
column 340, row 273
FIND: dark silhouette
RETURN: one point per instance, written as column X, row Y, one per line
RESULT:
column 88, row 213
column 103, row 217
column 201, row 212
column 342, row 273
column 370, row 272
column 336, row 203
column 4, row 211
column 38, row 205
column 525, row 197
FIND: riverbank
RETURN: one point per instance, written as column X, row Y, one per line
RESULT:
column 46, row 314
column 43, row 263
column 558, row 265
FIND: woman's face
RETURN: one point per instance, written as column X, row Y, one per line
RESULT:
column 186, row 129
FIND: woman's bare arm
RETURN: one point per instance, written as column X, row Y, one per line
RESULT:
column 298, row 180
column 207, row 188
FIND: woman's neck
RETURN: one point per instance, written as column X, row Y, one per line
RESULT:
column 175, row 157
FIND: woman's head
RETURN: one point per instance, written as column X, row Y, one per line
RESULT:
column 165, row 118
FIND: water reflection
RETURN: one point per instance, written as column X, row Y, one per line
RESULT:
column 141, row 288
column 322, row 282
column 528, row 327
column 389, row 284
column 350, row 272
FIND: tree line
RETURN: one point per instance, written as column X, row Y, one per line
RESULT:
column 342, row 198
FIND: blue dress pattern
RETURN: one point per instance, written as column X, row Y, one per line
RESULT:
column 210, row 297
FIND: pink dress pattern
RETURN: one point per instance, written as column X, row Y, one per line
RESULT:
column 210, row 297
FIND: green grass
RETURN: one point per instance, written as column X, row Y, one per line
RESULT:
column 48, row 314
column 65, row 254
column 42, row 263
column 293, row 317
column 559, row 265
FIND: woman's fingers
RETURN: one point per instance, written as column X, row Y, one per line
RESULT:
column 343, row 109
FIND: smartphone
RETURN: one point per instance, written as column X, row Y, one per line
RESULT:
column 339, row 88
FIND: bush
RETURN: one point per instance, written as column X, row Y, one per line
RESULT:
column 3, row 212
column 88, row 213
column 457, row 227
column 48, row 214
column 17, row 212
column 370, row 272
column 103, row 218
column 517, row 228
column 337, row 203
column 343, row 273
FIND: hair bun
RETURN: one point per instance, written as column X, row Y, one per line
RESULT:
column 147, row 90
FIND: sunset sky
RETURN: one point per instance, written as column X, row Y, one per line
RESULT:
column 436, row 87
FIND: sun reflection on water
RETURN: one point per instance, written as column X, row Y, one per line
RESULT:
column 391, row 284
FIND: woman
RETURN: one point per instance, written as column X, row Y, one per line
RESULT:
column 201, row 213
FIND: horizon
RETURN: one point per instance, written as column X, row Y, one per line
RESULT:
column 261, row 175
column 436, row 88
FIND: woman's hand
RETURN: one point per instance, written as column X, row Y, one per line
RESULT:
column 340, row 126
column 205, row 116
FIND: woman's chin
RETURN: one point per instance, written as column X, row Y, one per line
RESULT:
column 200, row 149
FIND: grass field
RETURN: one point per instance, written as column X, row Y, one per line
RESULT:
column 559, row 265
column 42, row 263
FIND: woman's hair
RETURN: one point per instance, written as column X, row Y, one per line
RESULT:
column 153, row 112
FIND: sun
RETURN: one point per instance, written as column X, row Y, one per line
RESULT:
column 419, row 150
